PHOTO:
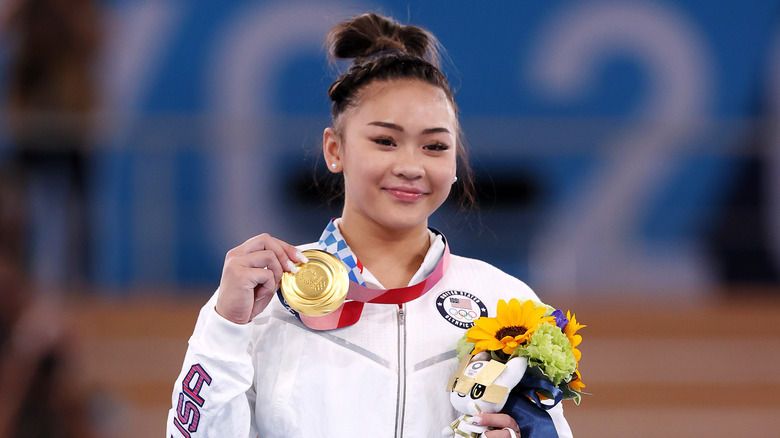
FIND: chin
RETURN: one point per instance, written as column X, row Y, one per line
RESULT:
column 404, row 221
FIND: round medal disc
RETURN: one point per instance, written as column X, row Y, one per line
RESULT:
column 319, row 287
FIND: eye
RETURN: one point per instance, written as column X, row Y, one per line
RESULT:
column 477, row 391
column 384, row 141
column 437, row 146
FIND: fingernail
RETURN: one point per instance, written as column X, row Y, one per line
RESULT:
column 291, row 267
column 301, row 258
column 475, row 420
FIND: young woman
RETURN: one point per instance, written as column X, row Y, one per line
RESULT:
column 377, row 366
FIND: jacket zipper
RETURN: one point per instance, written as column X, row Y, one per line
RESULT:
column 401, row 404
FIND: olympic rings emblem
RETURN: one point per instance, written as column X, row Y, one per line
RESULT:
column 460, row 308
column 463, row 314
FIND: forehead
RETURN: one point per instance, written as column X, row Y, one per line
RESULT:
column 406, row 102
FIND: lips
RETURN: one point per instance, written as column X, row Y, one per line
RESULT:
column 405, row 194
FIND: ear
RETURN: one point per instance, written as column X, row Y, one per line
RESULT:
column 482, row 355
column 515, row 369
column 331, row 149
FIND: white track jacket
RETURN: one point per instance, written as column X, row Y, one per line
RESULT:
column 385, row 376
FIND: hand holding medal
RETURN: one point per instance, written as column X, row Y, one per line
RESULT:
column 251, row 275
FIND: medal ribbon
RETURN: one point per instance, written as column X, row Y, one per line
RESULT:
column 358, row 294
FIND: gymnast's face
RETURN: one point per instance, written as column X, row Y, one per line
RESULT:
column 397, row 151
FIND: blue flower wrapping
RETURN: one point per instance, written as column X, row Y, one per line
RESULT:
column 530, row 413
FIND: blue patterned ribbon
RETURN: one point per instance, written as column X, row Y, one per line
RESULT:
column 532, row 421
column 332, row 242
column 526, row 407
column 530, row 387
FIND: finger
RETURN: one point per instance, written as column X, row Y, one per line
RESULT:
column 291, row 255
column 260, row 304
column 253, row 279
column 498, row 421
column 512, row 433
column 237, row 291
column 280, row 247
column 266, row 289
column 250, row 271
column 256, row 243
column 470, row 428
column 265, row 259
column 501, row 433
column 288, row 255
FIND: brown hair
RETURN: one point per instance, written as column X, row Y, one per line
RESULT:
column 382, row 50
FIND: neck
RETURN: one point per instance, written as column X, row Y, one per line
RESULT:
column 392, row 256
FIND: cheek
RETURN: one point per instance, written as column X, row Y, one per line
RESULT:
column 361, row 173
column 443, row 174
column 363, row 166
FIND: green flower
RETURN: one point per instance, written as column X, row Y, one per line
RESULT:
column 550, row 309
column 464, row 347
column 550, row 350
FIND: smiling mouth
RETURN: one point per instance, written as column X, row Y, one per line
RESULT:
column 405, row 195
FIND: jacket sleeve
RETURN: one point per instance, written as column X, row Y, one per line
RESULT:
column 213, row 395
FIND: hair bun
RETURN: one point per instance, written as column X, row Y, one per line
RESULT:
column 370, row 33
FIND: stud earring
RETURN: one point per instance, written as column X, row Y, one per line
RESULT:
column 454, row 179
column 333, row 166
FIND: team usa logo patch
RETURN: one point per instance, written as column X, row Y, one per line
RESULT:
column 461, row 309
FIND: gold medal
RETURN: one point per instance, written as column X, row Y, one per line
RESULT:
column 319, row 287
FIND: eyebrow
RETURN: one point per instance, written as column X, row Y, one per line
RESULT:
column 399, row 128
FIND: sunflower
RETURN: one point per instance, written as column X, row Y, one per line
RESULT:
column 571, row 332
column 513, row 325
column 576, row 382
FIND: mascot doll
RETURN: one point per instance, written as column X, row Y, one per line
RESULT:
column 481, row 384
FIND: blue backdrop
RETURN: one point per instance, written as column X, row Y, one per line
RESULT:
column 606, row 136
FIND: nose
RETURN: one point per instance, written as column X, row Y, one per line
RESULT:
column 408, row 165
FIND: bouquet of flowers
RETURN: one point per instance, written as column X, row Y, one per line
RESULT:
column 539, row 337
column 538, row 332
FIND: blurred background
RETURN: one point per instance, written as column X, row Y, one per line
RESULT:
column 626, row 154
